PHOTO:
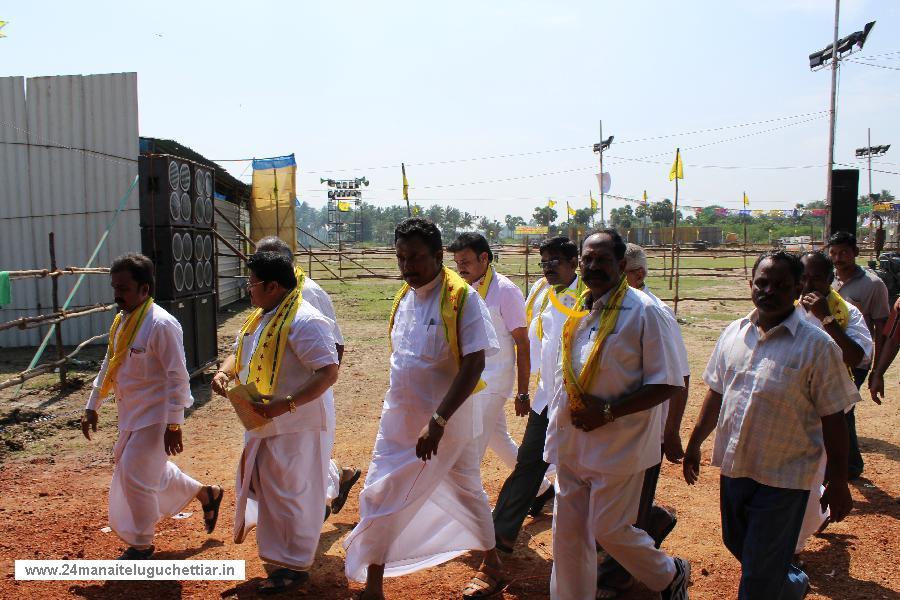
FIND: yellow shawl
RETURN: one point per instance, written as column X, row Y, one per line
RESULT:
column 120, row 342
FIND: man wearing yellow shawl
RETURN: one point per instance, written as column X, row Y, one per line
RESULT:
column 423, row 503
column 286, row 348
column 145, row 368
column 823, row 307
column 617, row 361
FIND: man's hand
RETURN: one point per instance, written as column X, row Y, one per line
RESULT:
column 429, row 438
column 837, row 497
column 591, row 416
column 172, row 442
column 89, row 422
column 672, row 447
column 815, row 303
column 876, row 386
column 271, row 409
column 220, row 383
column 691, row 464
column 523, row 406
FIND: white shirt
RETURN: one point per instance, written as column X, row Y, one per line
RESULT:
column 313, row 293
column 422, row 364
column 857, row 330
column 506, row 305
column 310, row 347
column 638, row 352
column 678, row 340
column 548, row 345
column 535, row 344
column 775, row 389
column 152, row 384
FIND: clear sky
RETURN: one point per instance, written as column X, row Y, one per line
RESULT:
column 354, row 88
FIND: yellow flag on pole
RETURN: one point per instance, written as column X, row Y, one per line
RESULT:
column 746, row 200
column 677, row 170
column 570, row 210
column 2, row 25
column 405, row 183
column 593, row 202
column 551, row 203
column 645, row 197
column 344, row 206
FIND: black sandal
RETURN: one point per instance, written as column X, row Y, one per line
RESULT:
column 212, row 507
column 344, row 491
column 133, row 553
column 282, row 580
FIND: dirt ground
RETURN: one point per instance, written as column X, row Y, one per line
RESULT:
column 53, row 493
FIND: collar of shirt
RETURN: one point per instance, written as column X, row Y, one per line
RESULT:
column 600, row 302
column 425, row 291
column 842, row 282
column 790, row 324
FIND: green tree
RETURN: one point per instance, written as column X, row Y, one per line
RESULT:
column 512, row 222
column 622, row 217
column 662, row 212
column 544, row 215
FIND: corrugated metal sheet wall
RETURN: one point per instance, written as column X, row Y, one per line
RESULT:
column 72, row 191
column 230, row 289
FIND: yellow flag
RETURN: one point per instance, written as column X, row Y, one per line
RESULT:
column 551, row 203
column 677, row 171
column 415, row 210
column 570, row 210
column 746, row 200
column 344, row 206
column 405, row 183
column 593, row 202
column 645, row 197
column 2, row 25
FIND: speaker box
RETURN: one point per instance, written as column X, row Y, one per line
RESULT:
column 172, row 251
column 202, row 194
column 844, row 198
column 204, row 261
column 205, row 328
column 184, row 310
column 165, row 185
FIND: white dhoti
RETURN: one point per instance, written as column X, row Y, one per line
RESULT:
column 414, row 514
column 494, row 432
column 145, row 486
column 332, row 470
column 281, row 492
column 592, row 506
column 814, row 515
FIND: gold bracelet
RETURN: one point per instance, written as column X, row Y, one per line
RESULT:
column 292, row 407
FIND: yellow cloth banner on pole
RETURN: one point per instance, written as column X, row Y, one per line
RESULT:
column 677, row 171
column 272, row 198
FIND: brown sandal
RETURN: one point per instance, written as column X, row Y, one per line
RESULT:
column 483, row 585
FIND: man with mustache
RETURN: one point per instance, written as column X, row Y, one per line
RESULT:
column 423, row 502
column 145, row 368
column 823, row 307
column 652, row 518
column 866, row 291
column 777, row 391
column 617, row 362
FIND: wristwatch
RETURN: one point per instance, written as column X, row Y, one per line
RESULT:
column 290, row 401
column 607, row 413
column 523, row 397
column 173, row 427
column 441, row 421
column 827, row 320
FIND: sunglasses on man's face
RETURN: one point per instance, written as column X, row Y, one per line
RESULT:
column 546, row 264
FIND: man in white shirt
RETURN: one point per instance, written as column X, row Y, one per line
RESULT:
column 652, row 518
column 423, row 502
column 145, row 368
column 287, row 350
column 824, row 308
column 776, row 399
column 339, row 480
column 559, row 260
column 511, row 365
column 617, row 362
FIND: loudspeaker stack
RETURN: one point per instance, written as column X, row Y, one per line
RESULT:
column 176, row 216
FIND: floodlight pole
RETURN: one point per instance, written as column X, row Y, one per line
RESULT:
column 831, row 114
column 869, row 153
column 602, row 214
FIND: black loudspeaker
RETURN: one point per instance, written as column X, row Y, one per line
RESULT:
column 184, row 309
column 844, row 199
column 172, row 251
column 165, row 184
column 204, row 261
column 202, row 194
column 205, row 328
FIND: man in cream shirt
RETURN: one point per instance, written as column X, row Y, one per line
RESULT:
column 145, row 367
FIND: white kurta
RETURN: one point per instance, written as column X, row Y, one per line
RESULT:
column 415, row 514
column 152, row 389
column 281, row 477
column 506, row 305
column 600, row 473
column 814, row 516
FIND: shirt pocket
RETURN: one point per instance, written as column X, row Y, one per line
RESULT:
column 776, row 384
column 136, row 364
column 431, row 343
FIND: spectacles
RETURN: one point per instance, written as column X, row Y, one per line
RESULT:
column 249, row 286
column 544, row 264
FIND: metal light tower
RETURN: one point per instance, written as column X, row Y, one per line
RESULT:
column 343, row 195
column 599, row 148
column 868, row 152
column 837, row 50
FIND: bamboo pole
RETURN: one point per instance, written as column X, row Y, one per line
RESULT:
column 55, row 297
column 41, row 369
column 55, row 317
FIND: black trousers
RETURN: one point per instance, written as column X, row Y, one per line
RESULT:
column 854, row 456
column 523, row 483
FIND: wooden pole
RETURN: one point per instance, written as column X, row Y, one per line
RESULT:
column 674, row 218
column 527, row 248
column 744, row 219
column 277, row 214
column 59, row 341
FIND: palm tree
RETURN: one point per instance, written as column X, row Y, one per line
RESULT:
column 467, row 220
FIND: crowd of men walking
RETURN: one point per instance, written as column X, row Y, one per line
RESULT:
column 612, row 379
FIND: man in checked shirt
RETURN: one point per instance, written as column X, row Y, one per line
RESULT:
column 777, row 392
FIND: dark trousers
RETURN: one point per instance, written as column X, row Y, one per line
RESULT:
column 523, row 483
column 760, row 525
column 854, row 456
